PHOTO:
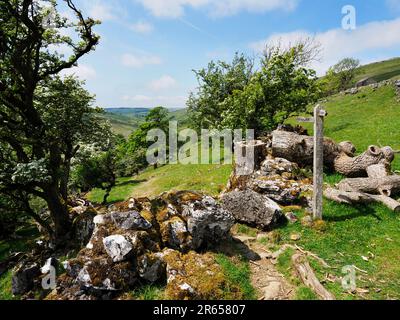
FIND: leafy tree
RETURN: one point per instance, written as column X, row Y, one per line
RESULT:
column 134, row 152
column 283, row 87
column 37, row 147
column 98, row 171
column 341, row 76
column 217, row 82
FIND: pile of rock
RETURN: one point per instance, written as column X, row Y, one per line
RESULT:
column 255, row 198
column 131, row 246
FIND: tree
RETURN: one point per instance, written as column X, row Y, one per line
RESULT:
column 342, row 74
column 97, row 171
column 217, row 82
column 134, row 152
column 282, row 88
column 36, row 163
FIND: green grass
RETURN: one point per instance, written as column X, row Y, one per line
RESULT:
column 246, row 230
column 367, row 118
column 210, row 179
column 380, row 71
column 238, row 274
column 149, row 292
column 353, row 232
column 5, row 286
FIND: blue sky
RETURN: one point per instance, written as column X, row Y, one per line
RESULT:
column 149, row 48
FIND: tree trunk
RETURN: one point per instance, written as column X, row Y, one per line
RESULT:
column 300, row 149
column 357, row 166
column 359, row 197
column 386, row 186
column 59, row 214
column 340, row 157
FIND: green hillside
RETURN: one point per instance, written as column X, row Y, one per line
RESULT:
column 125, row 120
column 380, row 71
column 367, row 118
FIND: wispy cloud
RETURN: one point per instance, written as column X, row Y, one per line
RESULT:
column 142, row 27
column 164, row 83
column 220, row 8
column 139, row 60
column 82, row 71
column 338, row 43
column 110, row 10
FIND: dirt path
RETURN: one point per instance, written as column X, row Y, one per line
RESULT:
column 265, row 278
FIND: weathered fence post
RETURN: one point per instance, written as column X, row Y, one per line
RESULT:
column 319, row 114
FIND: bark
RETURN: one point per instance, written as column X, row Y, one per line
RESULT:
column 361, row 198
column 357, row 166
column 340, row 157
column 300, row 149
column 249, row 156
column 309, row 278
column 379, row 170
column 59, row 214
column 387, row 186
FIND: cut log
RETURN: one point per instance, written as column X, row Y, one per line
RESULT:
column 359, row 197
column 357, row 166
column 300, row 149
column 386, row 186
column 379, row 170
column 340, row 157
column 248, row 156
column 309, row 278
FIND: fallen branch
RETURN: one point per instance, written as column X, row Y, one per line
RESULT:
column 309, row 278
column 351, row 197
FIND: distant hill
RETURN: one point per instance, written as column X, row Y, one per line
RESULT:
column 380, row 71
column 126, row 120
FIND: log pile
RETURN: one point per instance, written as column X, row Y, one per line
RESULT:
column 369, row 176
column 339, row 157
column 378, row 187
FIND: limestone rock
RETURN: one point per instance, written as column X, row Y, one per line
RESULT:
column 252, row 208
column 207, row 221
column 23, row 277
column 131, row 220
column 117, row 247
column 151, row 267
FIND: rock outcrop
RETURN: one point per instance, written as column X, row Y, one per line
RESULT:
column 130, row 246
column 252, row 208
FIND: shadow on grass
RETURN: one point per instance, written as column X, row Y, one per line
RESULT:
column 130, row 182
column 234, row 247
column 357, row 211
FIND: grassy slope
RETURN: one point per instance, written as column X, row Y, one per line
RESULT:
column 380, row 71
column 209, row 179
column 369, row 117
column 124, row 122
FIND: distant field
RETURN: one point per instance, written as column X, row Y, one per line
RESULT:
column 125, row 120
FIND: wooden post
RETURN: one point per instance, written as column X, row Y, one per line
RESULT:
column 319, row 114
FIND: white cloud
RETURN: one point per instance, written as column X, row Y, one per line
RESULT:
column 153, row 101
column 176, row 8
column 163, row 83
column 139, row 60
column 142, row 27
column 82, row 71
column 339, row 43
column 104, row 10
